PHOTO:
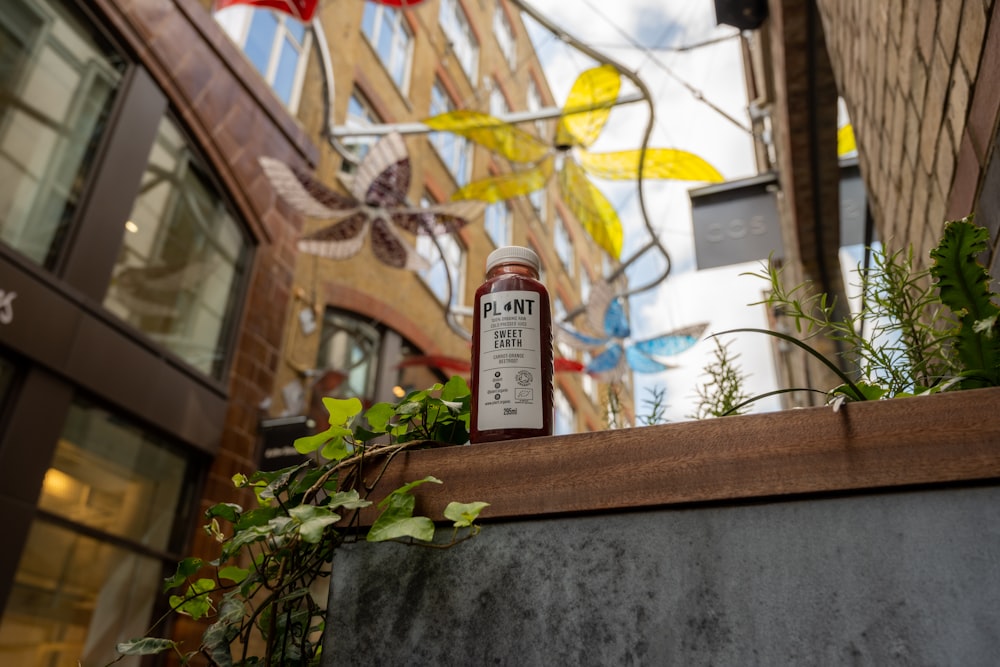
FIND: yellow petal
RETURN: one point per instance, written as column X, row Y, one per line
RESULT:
column 664, row 163
column 597, row 87
column 507, row 186
column 502, row 138
column 845, row 140
column 591, row 208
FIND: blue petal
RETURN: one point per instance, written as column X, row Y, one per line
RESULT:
column 581, row 339
column 667, row 344
column 615, row 320
column 640, row 363
column 606, row 360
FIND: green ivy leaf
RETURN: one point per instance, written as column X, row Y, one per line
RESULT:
column 228, row 511
column 342, row 410
column 379, row 416
column 455, row 389
column 196, row 601
column 463, row 514
column 145, row 646
column 349, row 500
column 419, row 528
column 337, row 449
column 185, row 569
column 233, row 573
column 313, row 521
column 407, row 488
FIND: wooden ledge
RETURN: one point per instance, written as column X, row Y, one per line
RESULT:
column 952, row 437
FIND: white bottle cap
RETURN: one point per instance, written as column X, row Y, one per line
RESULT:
column 515, row 254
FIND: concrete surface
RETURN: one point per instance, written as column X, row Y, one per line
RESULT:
column 909, row 578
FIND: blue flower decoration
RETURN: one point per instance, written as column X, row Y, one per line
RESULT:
column 616, row 352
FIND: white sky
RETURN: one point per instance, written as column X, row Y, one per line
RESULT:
column 720, row 297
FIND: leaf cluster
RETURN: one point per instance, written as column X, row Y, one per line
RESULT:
column 258, row 591
column 919, row 331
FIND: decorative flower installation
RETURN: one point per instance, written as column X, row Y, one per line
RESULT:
column 375, row 207
column 584, row 114
column 615, row 351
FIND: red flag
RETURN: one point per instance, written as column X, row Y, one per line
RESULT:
column 302, row 10
column 397, row 3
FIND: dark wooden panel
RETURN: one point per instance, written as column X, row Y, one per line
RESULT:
column 947, row 438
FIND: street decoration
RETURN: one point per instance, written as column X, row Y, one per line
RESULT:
column 375, row 207
column 614, row 351
column 302, row 10
column 585, row 113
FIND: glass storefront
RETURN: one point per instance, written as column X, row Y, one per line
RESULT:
column 183, row 257
column 89, row 574
column 57, row 84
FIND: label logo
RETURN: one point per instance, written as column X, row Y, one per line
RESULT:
column 523, row 378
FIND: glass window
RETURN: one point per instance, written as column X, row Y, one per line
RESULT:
column 390, row 36
column 359, row 115
column 449, row 263
column 533, row 98
column 505, row 36
column 498, row 103
column 564, row 421
column 453, row 149
column 499, row 222
column 182, row 259
column 585, row 285
column 277, row 44
column 563, row 244
column 57, row 83
column 361, row 358
column 537, row 201
column 86, row 581
column 463, row 42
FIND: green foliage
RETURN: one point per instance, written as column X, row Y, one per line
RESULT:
column 655, row 406
column 260, row 585
column 965, row 288
column 919, row 331
column 724, row 393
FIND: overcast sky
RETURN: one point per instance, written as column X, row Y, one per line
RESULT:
column 719, row 297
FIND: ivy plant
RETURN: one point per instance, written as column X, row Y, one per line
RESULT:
column 257, row 593
column 919, row 331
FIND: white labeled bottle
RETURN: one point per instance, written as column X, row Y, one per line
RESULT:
column 511, row 350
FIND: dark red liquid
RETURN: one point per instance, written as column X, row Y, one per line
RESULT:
column 501, row 279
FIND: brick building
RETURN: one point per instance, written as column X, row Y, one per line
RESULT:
column 150, row 283
column 919, row 84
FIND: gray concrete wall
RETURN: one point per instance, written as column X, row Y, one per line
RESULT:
column 910, row 578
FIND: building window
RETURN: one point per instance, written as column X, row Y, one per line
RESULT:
column 504, row 32
column 564, row 421
column 537, row 199
column 183, row 258
column 454, row 150
column 563, row 244
column 359, row 116
column 461, row 39
column 277, row 44
column 585, row 285
column 449, row 263
column 390, row 36
column 57, row 84
column 364, row 357
column 499, row 222
column 498, row 102
column 113, row 495
column 533, row 99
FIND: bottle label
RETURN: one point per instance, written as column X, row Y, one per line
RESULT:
column 510, row 369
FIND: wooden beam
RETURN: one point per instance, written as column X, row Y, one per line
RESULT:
column 947, row 438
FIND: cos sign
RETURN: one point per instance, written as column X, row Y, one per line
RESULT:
column 736, row 222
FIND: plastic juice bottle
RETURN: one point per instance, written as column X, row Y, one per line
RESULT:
column 511, row 350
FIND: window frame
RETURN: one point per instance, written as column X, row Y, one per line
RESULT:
column 461, row 37
column 455, row 151
column 398, row 66
column 237, row 21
